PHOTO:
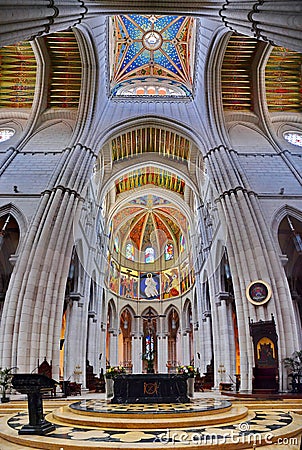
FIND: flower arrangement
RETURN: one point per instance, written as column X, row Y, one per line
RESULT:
column 114, row 371
column 6, row 377
column 189, row 370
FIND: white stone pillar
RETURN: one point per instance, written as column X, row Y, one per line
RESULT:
column 185, row 339
column 74, row 347
column 113, row 348
column 137, row 345
column 162, row 346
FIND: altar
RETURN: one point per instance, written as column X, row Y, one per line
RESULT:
column 150, row 388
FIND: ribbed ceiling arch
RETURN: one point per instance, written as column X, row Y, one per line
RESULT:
column 150, row 176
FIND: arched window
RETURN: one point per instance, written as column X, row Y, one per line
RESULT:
column 116, row 244
column 169, row 251
column 130, row 251
column 182, row 243
column 149, row 255
column 6, row 133
column 293, row 138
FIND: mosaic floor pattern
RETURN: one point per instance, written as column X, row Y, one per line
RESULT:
column 260, row 427
column 196, row 406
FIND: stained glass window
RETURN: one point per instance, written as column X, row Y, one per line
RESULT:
column 169, row 251
column 293, row 138
column 130, row 251
column 149, row 255
column 6, row 133
column 116, row 244
column 182, row 243
column 152, row 55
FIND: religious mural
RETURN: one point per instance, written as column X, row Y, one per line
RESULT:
column 170, row 283
column 150, row 285
column 128, row 283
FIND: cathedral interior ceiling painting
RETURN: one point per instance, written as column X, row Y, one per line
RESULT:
column 150, row 139
column 152, row 55
column 150, row 176
column 283, row 79
column 236, row 73
column 149, row 242
column 17, row 75
column 66, row 70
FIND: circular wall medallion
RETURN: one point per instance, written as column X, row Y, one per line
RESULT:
column 258, row 292
column 152, row 40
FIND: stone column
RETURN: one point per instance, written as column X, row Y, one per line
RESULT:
column 275, row 21
column 270, row 20
column 26, row 22
column 32, row 314
column 92, row 342
column 74, row 350
column 252, row 256
column 137, row 341
column 162, row 346
column 185, row 340
column 113, row 348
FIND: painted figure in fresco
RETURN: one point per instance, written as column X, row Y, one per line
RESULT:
column 151, row 289
column 170, row 284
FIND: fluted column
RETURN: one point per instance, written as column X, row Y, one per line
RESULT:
column 278, row 22
column 252, row 256
column 32, row 314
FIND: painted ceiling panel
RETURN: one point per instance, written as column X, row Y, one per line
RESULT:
column 66, row 70
column 144, row 140
column 153, row 223
column 236, row 76
column 283, row 80
column 150, row 175
column 17, row 75
column 150, row 47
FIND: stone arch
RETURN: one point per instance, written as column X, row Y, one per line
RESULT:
column 21, row 220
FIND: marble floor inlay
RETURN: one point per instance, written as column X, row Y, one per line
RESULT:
column 103, row 407
column 260, row 422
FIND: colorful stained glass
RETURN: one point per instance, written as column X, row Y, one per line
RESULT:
column 293, row 138
column 6, row 134
column 116, row 244
column 156, row 48
column 130, row 251
column 149, row 255
column 169, row 251
column 182, row 243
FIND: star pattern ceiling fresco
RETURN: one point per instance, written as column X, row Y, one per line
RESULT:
column 150, row 47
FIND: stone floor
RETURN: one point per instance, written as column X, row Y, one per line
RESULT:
column 272, row 424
